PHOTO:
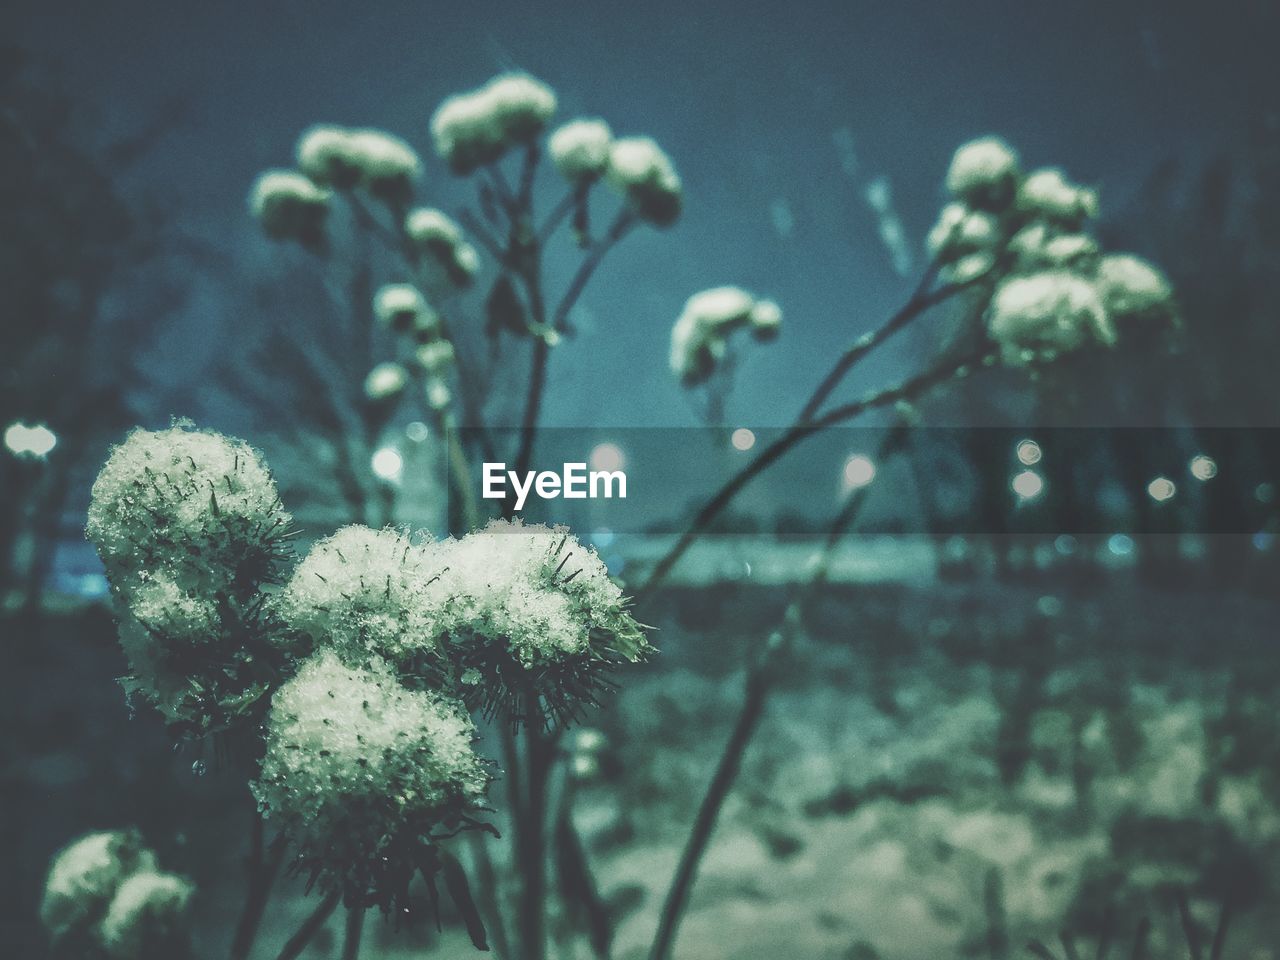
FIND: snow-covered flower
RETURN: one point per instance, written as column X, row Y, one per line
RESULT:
column 643, row 173
column 1039, row 246
column 580, row 150
column 148, row 917
column 194, row 506
column 290, row 206
column 478, row 127
column 83, row 879
column 529, row 608
column 342, row 158
column 362, row 775
column 365, row 593
column 1048, row 194
column 436, row 357
column 385, row 381
column 1038, row 316
column 766, row 320
column 1134, row 289
column 965, row 242
column 398, row 306
column 436, row 235
column 984, row 174
column 700, row 335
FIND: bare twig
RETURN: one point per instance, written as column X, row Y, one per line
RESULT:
column 310, row 927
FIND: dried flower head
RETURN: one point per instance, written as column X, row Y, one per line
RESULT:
column 643, row 173
column 478, row 127
column 580, row 150
column 984, row 174
column 290, row 206
column 1034, row 318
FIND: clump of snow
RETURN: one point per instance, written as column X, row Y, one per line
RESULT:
column 398, row 306
column 385, row 381
column 643, row 173
column 984, row 174
column 194, row 506
column 700, row 335
column 1038, row 316
column 436, row 236
column 148, row 914
column 1048, row 194
column 341, row 158
column 580, row 150
column 290, row 206
column 478, row 127
column 366, row 593
column 1131, row 287
column 359, row 771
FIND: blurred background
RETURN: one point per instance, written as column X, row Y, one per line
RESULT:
column 1003, row 722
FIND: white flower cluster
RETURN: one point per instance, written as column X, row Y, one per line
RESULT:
column 365, row 593
column 643, row 173
column 189, row 526
column 359, row 771
column 700, row 335
column 436, row 236
column 385, row 382
column 105, row 893
column 1056, row 292
column 290, row 206
column 190, row 506
column 478, row 127
column 533, row 591
column 337, row 157
column 580, row 150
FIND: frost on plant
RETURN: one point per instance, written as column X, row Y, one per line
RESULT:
column 379, row 162
column 580, row 150
column 364, row 776
column 1054, row 292
column 700, row 337
column 643, row 173
column 106, row 895
column 291, row 207
column 189, row 528
column 366, row 594
column 478, row 127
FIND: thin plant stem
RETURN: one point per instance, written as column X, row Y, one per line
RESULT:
column 310, row 927
column 557, row 215
column 487, row 893
column 758, row 683
column 625, row 221
column 264, row 864
column 533, row 835
column 351, row 933
column 907, row 390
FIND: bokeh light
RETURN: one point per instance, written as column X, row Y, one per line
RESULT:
column 24, row 441
column 387, row 464
column 1161, row 489
column 743, row 439
column 1028, row 484
column 607, row 456
column 1203, row 467
column 859, row 470
column 1029, row 453
column 416, row 431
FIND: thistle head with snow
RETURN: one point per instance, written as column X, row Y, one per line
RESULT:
column 1019, row 240
column 190, row 530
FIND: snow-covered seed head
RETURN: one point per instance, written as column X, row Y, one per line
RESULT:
column 643, row 173
column 386, row 381
column 380, row 162
column 148, row 917
column 478, row 127
column 700, row 335
column 580, row 150
column 766, row 320
column 365, row 593
column 1036, row 317
column 361, row 773
column 1134, row 289
column 83, row 880
column 193, row 507
column 290, row 206
column 1048, row 194
column 397, row 306
column 436, row 357
column 984, row 174
column 529, row 609
column 435, row 235
column 960, row 232
column 1039, row 246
